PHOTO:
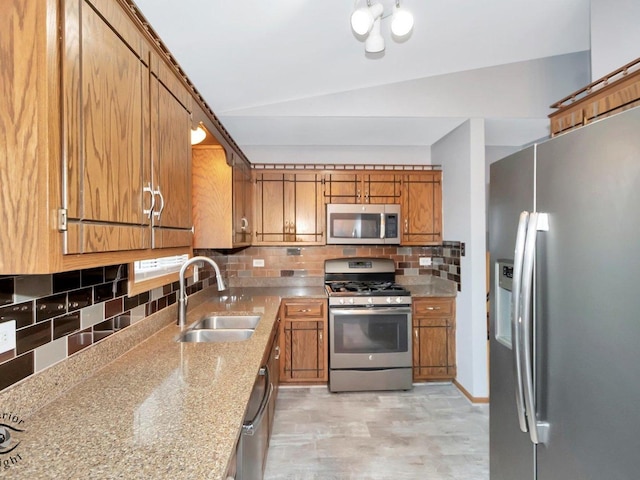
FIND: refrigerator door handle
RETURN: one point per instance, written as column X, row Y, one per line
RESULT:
column 538, row 430
column 515, row 318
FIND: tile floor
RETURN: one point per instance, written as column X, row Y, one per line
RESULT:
column 430, row 433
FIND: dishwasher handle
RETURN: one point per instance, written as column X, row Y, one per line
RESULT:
column 249, row 426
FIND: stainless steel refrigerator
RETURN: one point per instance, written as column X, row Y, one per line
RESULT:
column 564, row 238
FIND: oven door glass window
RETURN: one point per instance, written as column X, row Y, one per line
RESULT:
column 368, row 333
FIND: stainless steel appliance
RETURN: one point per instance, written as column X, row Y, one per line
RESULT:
column 363, row 224
column 254, row 441
column 369, row 326
column 564, row 383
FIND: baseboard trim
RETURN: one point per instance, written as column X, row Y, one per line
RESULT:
column 471, row 398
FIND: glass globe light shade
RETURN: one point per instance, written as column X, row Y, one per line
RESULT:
column 402, row 22
column 362, row 21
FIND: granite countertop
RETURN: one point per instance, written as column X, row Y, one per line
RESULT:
column 164, row 409
column 431, row 287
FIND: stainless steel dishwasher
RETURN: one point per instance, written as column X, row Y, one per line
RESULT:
column 254, row 440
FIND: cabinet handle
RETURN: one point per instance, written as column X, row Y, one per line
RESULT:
column 415, row 332
column 358, row 193
column 433, row 308
column 406, row 225
column 244, row 224
column 304, row 310
column 277, row 357
column 320, row 336
column 149, row 212
column 159, row 212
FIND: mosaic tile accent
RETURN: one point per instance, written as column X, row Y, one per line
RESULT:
column 71, row 311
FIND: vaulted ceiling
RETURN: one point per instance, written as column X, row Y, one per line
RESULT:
column 292, row 74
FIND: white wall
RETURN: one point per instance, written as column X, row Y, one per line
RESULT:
column 615, row 35
column 462, row 156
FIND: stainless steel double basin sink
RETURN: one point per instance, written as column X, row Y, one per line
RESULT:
column 221, row 328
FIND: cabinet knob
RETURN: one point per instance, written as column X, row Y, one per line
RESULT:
column 244, row 224
column 415, row 332
column 433, row 308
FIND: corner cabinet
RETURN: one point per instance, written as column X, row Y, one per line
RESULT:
column 422, row 208
column 304, row 343
column 97, row 124
column 434, row 338
column 289, row 208
column 222, row 209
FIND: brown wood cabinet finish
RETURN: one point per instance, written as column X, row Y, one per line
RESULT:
column 434, row 353
column 422, row 208
column 171, row 159
column 362, row 187
column 221, row 199
column 77, row 116
column 289, row 208
column 304, row 343
column 106, row 136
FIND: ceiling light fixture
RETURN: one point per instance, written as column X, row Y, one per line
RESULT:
column 198, row 134
column 365, row 21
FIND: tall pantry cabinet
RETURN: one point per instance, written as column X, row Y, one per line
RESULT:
column 87, row 98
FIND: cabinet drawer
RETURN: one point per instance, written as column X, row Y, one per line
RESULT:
column 304, row 309
column 433, row 307
column 432, row 322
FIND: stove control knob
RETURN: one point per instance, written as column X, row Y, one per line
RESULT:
column 341, row 301
column 369, row 300
column 388, row 299
column 398, row 299
column 351, row 301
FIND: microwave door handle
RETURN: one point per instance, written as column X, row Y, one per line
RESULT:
column 382, row 226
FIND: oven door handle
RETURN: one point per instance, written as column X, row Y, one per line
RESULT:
column 373, row 310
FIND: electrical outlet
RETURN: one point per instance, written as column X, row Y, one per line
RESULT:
column 425, row 261
column 258, row 262
column 7, row 336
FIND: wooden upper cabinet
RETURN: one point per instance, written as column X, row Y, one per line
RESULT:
column 289, row 208
column 362, row 187
column 222, row 209
column 171, row 158
column 242, row 201
column 422, row 208
column 105, row 95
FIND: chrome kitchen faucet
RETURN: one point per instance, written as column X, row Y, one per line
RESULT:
column 182, row 294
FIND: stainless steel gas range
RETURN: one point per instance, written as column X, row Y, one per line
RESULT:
column 369, row 326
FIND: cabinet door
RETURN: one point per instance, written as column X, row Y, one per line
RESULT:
column 106, row 135
column 422, row 208
column 382, row 188
column 343, row 188
column 304, row 359
column 171, row 160
column 304, row 344
column 270, row 207
column 289, row 208
column 434, row 354
column 304, row 208
column 242, row 202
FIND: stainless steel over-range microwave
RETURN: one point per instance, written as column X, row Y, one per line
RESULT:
column 357, row 224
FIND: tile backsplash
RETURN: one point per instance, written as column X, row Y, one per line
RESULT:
column 308, row 262
column 61, row 314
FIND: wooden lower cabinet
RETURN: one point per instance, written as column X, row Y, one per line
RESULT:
column 434, row 338
column 303, row 341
